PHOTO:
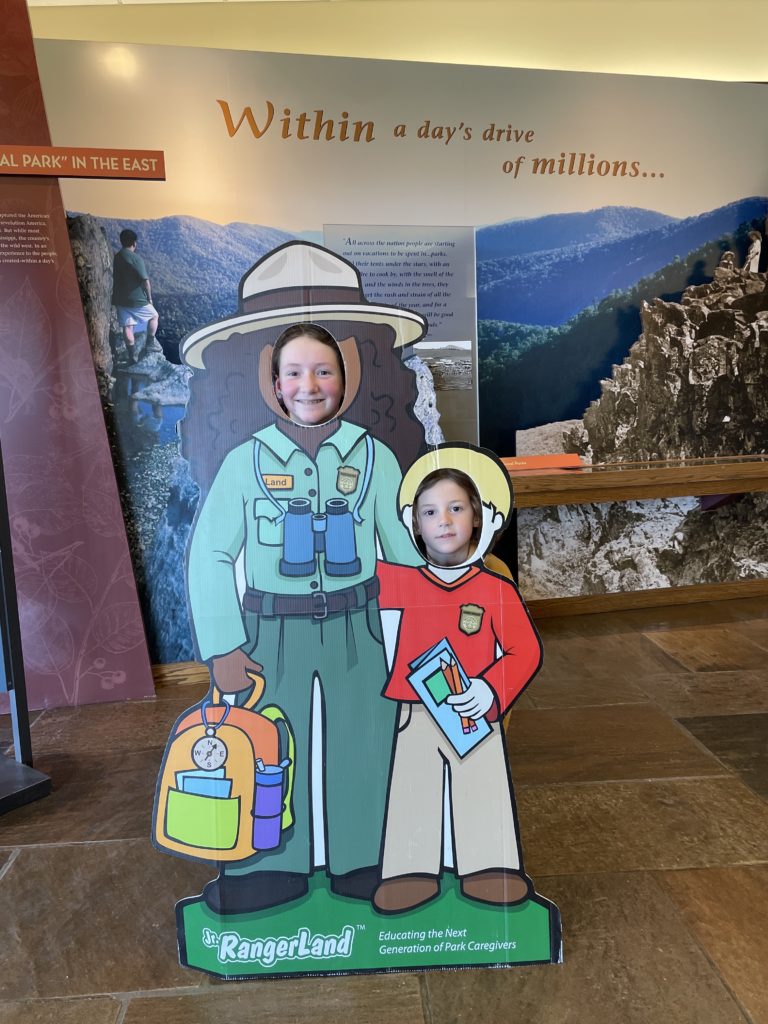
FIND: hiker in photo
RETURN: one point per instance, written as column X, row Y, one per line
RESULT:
column 299, row 404
column 132, row 295
column 752, row 262
column 466, row 650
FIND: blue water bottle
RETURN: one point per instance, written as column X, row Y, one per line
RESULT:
column 268, row 802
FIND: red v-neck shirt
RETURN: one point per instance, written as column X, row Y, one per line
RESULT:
column 505, row 650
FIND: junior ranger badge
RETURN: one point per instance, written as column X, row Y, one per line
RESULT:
column 471, row 618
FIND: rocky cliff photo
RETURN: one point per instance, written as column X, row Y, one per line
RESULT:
column 142, row 403
column 694, row 385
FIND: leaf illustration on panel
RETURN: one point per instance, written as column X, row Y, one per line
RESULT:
column 25, row 343
column 36, row 605
column 100, row 503
column 53, row 576
column 104, row 518
column 70, row 578
column 51, row 520
column 119, row 628
column 49, row 650
column 23, row 470
column 123, row 572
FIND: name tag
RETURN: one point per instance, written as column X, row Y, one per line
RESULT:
column 278, row 482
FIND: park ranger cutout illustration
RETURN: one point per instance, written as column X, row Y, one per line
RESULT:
column 298, row 431
column 299, row 507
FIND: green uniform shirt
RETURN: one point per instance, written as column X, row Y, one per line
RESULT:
column 242, row 515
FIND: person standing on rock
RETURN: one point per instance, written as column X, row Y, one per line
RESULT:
column 132, row 294
column 753, row 253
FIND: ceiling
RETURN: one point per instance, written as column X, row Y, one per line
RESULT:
column 700, row 39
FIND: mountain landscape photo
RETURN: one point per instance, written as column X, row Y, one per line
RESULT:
column 694, row 385
column 195, row 267
column 574, row 301
column 553, row 319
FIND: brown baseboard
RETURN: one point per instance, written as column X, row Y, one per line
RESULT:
column 589, row 604
column 180, row 673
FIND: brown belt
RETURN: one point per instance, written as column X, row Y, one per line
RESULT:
column 314, row 606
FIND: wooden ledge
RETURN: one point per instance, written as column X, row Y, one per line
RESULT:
column 636, row 481
column 590, row 604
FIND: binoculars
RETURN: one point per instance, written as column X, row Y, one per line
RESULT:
column 307, row 535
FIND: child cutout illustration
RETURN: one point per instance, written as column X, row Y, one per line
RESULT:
column 463, row 631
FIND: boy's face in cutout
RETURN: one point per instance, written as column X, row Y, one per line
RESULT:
column 445, row 521
column 492, row 522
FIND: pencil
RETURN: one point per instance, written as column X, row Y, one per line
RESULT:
column 454, row 685
column 445, row 669
column 467, row 725
column 460, row 689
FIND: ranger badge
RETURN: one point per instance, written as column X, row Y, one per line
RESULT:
column 346, row 479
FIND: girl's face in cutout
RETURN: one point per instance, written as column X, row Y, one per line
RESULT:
column 310, row 383
column 446, row 522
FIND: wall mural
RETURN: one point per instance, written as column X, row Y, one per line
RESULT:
column 591, row 237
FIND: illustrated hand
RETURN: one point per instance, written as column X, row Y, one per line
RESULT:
column 236, row 671
column 475, row 701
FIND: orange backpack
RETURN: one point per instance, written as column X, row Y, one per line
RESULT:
column 226, row 782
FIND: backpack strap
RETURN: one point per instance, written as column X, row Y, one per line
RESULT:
column 275, row 715
column 367, row 474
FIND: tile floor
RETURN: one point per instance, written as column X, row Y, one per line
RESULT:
column 640, row 756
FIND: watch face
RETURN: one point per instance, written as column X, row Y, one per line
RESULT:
column 209, row 753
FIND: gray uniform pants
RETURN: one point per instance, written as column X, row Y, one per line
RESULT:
column 346, row 653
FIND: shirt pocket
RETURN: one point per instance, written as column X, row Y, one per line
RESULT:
column 269, row 531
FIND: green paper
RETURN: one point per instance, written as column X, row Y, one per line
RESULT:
column 438, row 687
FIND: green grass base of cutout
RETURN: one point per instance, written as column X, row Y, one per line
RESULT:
column 323, row 933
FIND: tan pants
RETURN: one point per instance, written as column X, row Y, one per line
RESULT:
column 482, row 811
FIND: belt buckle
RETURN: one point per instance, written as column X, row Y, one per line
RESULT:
column 321, row 612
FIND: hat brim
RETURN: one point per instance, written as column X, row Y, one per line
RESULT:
column 481, row 466
column 408, row 325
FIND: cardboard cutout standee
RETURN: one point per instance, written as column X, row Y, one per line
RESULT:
column 313, row 777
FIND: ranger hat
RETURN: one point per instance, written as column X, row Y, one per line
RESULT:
column 481, row 466
column 300, row 282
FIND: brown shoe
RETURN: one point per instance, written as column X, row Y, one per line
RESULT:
column 404, row 892
column 502, row 887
